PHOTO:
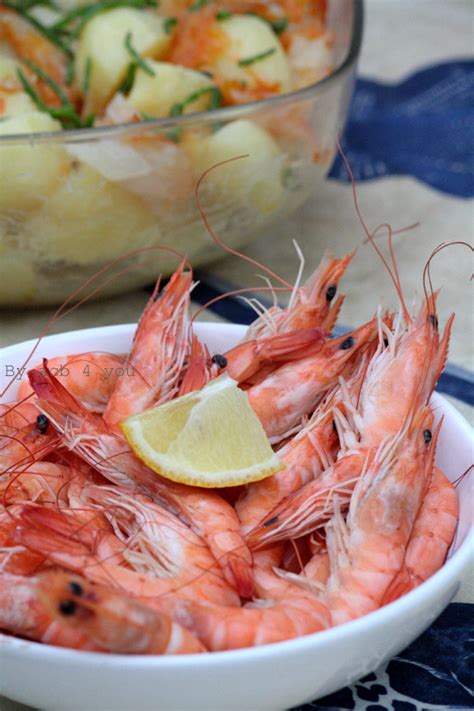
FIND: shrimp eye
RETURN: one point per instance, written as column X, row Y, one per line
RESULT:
column 385, row 342
column 434, row 321
column 67, row 607
column 219, row 360
column 331, row 292
column 427, row 436
column 334, row 426
column 348, row 343
column 76, row 588
column 42, row 423
column 271, row 521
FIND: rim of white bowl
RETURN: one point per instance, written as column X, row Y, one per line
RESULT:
column 445, row 577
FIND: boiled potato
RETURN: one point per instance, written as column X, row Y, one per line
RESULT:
column 17, row 277
column 29, row 171
column 17, row 103
column 12, row 99
column 248, row 37
column 8, row 73
column 256, row 178
column 102, row 45
column 171, row 84
column 88, row 220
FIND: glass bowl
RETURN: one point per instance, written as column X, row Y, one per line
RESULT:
column 71, row 202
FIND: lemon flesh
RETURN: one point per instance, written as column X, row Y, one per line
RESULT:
column 209, row 438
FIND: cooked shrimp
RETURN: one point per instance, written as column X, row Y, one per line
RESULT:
column 309, row 306
column 432, row 534
column 313, row 504
column 188, row 568
column 160, row 347
column 399, row 373
column 367, row 551
column 286, row 611
column 305, row 457
column 208, row 514
column 91, row 377
column 114, row 621
column 294, row 390
column 248, row 358
column 155, row 541
column 22, row 613
column 409, row 366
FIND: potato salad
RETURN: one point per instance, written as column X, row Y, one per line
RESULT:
column 75, row 61
column 76, row 198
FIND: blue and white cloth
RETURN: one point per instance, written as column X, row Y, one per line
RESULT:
column 435, row 672
column 422, row 127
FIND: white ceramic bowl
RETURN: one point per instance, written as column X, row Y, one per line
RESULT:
column 272, row 677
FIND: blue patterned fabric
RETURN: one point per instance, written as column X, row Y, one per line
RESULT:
column 422, row 127
column 435, row 672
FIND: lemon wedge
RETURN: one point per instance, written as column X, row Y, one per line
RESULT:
column 209, row 438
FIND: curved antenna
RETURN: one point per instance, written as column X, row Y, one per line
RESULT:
column 216, row 239
column 434, row 253
column 369, row 234
column 237, row 292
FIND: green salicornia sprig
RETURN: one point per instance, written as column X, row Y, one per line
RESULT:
column 74, row 21
column 247, row 61
column 214, row 102
column 137, row 58
column 66, row 113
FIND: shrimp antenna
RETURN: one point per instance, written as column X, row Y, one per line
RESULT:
column 370, row 235
column 434, row 253
column 216, row 239
column 237, row 292
column 462, row 476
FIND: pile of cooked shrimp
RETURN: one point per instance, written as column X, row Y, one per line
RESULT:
column 97, row 552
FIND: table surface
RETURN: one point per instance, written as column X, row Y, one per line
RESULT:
column 401, row 37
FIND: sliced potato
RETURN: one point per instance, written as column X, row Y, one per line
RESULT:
column 17, row 277
column 88, row 220
column 102, row 46
column 16, row 103
column 249, row 38
column 170, row 85
column 13, row 100
column 29, row 171
column 255, row 178
column 8, row 73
